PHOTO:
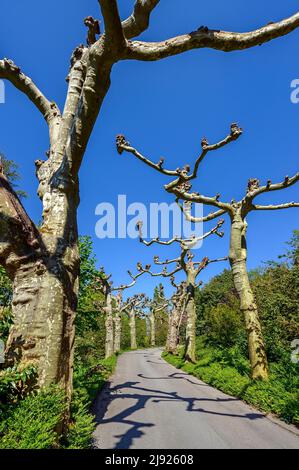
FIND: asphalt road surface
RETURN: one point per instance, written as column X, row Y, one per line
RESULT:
column 150, row 404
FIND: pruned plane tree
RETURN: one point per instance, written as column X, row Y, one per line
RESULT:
column 44, row 262
column 158, row 304
column 179, row 301
column 184, row 262
column 237, row 211
column 117, row 306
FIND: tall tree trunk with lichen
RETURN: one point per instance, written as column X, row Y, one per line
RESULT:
column 109, row 341
column 117, row 332
column 44, row 266
column 168, row 331
column 173, row 335
column 153, row 328
column 132, row 322
column 190, row 349
column 238, row 257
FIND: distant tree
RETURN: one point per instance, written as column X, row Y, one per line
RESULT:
column 158, row 317
column 179, row 301
column 184, row 262
column 110, row 304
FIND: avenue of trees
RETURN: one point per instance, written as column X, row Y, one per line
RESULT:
column 62, row 320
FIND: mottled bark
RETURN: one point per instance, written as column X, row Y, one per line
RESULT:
column 238, row 256
column 44, row 264
column 117, row 331
column 153, row 328
column 109, row 341
column 190, row 351
column 132, row 322
column 173, row 335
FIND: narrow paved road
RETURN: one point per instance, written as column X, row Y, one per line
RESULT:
column 149, row 404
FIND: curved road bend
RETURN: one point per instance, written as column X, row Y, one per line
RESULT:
column 150, row 404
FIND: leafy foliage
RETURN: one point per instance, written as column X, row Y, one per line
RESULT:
column 11, row 171
column 5, row 304
column 15, row 384
column 33, row 423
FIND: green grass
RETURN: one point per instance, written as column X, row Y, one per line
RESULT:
column 228, row 371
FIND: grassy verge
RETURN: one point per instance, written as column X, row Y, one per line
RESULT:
column 228, row 371
column 31, row 421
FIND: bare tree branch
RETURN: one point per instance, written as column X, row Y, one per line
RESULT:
column 113, row 28
column 180, row 193
column 139, row 19
column 127, row 286
column 254, row 188
column 186, row 209
column 214, row 39
column 93, row 26
column 205, row 262
column 164, row 273
column 50, row 111
column 122, row 145
column 235, row 133
column 182, row 174
column 275, row 207
column 167, row 261
column 181, row 185
column 186, row 243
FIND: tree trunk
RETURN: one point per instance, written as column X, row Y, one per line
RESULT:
column 190, row 350
column 117, row 333
column 44, row 270
column 43, row 329
column 170, row 314
column 238, row 257
column 109, row 343
column 132, row 319
column 173, row 338
column 153, row 329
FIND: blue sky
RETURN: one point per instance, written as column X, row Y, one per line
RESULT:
column 163, row 108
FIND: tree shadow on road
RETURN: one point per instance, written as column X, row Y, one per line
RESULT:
column 141, row 395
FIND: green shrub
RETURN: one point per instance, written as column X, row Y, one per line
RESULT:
column 32, row 423
column 15, row 384
column 224, row 324
column 82, row 426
